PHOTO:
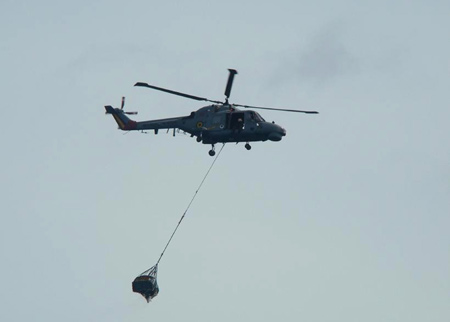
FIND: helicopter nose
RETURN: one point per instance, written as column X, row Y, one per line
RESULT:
column 277, row 134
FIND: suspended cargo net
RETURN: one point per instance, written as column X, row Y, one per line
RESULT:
column 146, row 283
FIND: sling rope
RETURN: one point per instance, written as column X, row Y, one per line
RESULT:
column 190, row 203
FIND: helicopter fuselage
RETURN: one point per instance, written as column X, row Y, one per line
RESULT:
column 221, row 123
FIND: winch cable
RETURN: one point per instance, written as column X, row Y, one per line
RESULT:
column 190, row 203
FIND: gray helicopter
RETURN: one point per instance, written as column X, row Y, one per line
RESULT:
column 220, row 122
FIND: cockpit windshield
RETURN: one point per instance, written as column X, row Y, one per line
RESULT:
column 256, row 117
column 259, row 118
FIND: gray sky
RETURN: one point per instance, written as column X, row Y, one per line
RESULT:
column 345, row 219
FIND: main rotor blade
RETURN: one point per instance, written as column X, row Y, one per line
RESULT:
column 230, row 82
column 197, row 98
column 277, row 109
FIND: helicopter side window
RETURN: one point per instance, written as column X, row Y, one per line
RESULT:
column 237, row 121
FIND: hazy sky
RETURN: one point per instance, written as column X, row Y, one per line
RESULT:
column 345, row 219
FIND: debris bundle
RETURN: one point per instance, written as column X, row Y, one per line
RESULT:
column 146, row 283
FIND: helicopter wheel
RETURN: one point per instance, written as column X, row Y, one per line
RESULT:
column 212, row 152
column 248, row 146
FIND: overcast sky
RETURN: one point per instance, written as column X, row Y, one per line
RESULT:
column 345, row 219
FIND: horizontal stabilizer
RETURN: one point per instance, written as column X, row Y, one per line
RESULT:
column 109, row 109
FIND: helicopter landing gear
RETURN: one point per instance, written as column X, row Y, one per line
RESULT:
column 212, row 152
column 199, row 138
column 248, row 146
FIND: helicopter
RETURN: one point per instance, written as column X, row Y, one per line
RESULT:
column 220, row 122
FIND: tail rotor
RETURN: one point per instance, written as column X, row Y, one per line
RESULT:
column 123, row 104
column 122, row 120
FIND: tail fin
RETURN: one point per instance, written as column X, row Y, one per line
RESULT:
column 122, row 120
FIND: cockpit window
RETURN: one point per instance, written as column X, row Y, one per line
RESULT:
column 258, row 118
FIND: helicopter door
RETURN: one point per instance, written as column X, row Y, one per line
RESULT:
column 237, row 121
